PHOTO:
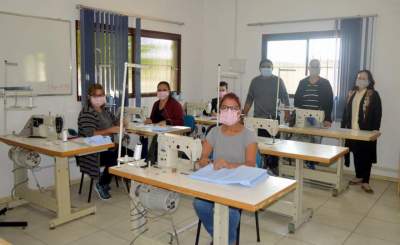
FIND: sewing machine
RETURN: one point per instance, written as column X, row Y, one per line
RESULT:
column 197, row 108
column 271, row 125
column 169, row 146
column 136, row 114
column 43, row 126
column 309, row 118
column 156, row 199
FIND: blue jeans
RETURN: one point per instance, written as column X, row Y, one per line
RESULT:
column 205, row 211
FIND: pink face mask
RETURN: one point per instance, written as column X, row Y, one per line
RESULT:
column 222, row 94
column 162, row 95
column 98, row 101
column 229, row 117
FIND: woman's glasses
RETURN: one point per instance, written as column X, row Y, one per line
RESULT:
column 232, row 108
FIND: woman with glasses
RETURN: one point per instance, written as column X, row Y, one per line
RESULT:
column 232, row 145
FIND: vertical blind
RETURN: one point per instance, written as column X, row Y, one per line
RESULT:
column 104, row 50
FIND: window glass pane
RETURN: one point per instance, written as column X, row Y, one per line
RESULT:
column 163, row 54
column 288, row 54
column 326, row 50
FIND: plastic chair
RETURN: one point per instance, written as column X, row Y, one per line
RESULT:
column 189, row 121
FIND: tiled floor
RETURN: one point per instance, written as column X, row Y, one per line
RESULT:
column 352, row 218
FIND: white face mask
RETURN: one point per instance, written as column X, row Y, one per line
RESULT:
column 362, row 84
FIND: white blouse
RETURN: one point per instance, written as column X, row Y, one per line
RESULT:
column 355, row 108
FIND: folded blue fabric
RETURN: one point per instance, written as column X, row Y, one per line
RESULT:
column 98, row 140
column 160, row 129
column 242, row 175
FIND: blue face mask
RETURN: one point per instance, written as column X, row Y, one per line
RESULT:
column 266, row 72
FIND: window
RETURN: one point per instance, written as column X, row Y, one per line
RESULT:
column 291, row 54
column 163, row 50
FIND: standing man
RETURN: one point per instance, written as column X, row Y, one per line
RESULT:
column 263, row 92
column 315, row 93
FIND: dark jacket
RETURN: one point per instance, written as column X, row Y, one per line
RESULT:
column 214, row 103
column 369, row 118
column 325, row 96
column 172, row 112
column 88, row 123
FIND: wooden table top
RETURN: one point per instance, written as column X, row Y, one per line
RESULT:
column 337, row 133
column 250, row 199
column 149, row 130
column 326, row 154
column 55, row 148
column 204, row 120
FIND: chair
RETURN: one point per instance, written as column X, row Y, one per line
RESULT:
column 189, row 121
column 91, row 186
column 237, row 230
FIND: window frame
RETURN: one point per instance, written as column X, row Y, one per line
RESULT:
column 296, row 36
column 144, row 33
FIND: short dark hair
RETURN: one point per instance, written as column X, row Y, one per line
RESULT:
column 231, row 96
column 263, row 61
column 371, row 79
column 223, row 84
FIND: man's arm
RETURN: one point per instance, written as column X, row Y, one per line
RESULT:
column 249, row 99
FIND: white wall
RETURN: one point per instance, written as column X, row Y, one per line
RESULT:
column 386, row 51
column 188, row 11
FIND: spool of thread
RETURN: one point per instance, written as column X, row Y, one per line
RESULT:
column 138, row 152
column 65, row 135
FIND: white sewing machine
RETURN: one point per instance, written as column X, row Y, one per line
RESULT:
column 156, row 199
column 196, row 108
column 136, row 114
column 43, row 126
column 271, row 125
column 309, row 118
column 169, row 146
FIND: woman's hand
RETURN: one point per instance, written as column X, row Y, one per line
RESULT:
column 162, row 123
column 148, row 121
column 220, row 163
column 203, row 162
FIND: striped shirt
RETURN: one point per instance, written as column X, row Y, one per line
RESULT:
column 89, row 121
column 310, row 98
column 318, row 96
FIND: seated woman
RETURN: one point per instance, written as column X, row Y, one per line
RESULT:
column 94, row 119
column 232, row 145
column 166, row 110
